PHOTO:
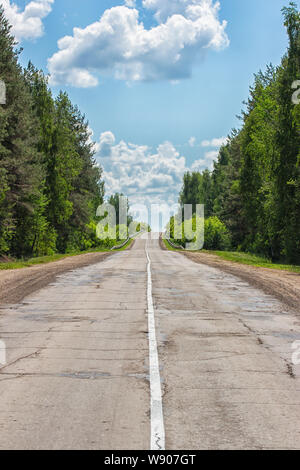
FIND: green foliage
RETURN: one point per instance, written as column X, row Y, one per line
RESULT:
column 254, row 188
column 254, row 260
column 121, row 204
column 217, row 236
column 197, row 190
column 21, row 169
column 143, row 226
column 50, row 185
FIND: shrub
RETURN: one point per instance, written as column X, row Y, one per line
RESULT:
column 217, row 236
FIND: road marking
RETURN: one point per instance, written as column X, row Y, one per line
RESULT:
column 157, row 418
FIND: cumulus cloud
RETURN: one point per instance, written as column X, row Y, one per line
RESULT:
column 165, row 8
column 27, row 23
column 106, row 142
column 145, row 176
column 212, row 155
column 214, row 142
column 207, row 162
column 199, row 165
column 119, row 44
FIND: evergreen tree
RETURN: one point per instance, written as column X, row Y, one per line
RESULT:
column 255, row 185
column 20, row 162
column 287, row 171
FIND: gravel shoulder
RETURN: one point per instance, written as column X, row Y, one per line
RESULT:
column 15, row 284
column 283, row 285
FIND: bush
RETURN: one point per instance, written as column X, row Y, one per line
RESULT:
column 217, row 236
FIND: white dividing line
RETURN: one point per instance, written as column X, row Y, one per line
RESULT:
column 157, row 419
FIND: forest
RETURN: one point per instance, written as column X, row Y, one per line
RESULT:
column 50, row 184
column 252, row 196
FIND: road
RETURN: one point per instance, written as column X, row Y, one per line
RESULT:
column 77, row 373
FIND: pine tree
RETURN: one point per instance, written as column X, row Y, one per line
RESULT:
column 20, row 162
column 288, row 142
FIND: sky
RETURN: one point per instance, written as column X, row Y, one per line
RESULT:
column 160, row 81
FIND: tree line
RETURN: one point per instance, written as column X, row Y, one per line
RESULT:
column 254, row 188
column 50, row 185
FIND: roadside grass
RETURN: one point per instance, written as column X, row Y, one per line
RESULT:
column 26, row 263
column 128, row 244
column 246, row 258
column 254, row 260
column 170, row 247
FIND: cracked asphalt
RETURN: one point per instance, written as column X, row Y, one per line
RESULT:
column 77, row 359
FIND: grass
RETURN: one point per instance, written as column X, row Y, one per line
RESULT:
column 247, row 259
column 169, row 247
column 125, row 246
column 26, row 263
column 254, row 260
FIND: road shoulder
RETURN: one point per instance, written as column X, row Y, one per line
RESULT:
column 15, row 284
column 283, row 285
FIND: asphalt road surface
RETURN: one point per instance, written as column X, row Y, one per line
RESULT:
column 79, row 374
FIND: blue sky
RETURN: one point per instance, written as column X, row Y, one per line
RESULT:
column 156, row 120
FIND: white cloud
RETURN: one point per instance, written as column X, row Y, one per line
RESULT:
column 165, row 8
column 145, row 176
column 212, row 155
column 130, row 3
column 214, row 142
column 138, row 172
column 119, row 45
column 198, row 165
column 106, row 142
column 192, row 141
column 207, row 162
column 27, row 24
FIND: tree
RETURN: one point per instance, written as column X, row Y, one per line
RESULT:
column 20, row 162
column 254, row 188
column 120, row 203
column 287, row 172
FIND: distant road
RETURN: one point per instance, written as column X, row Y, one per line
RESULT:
column 77, row 373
